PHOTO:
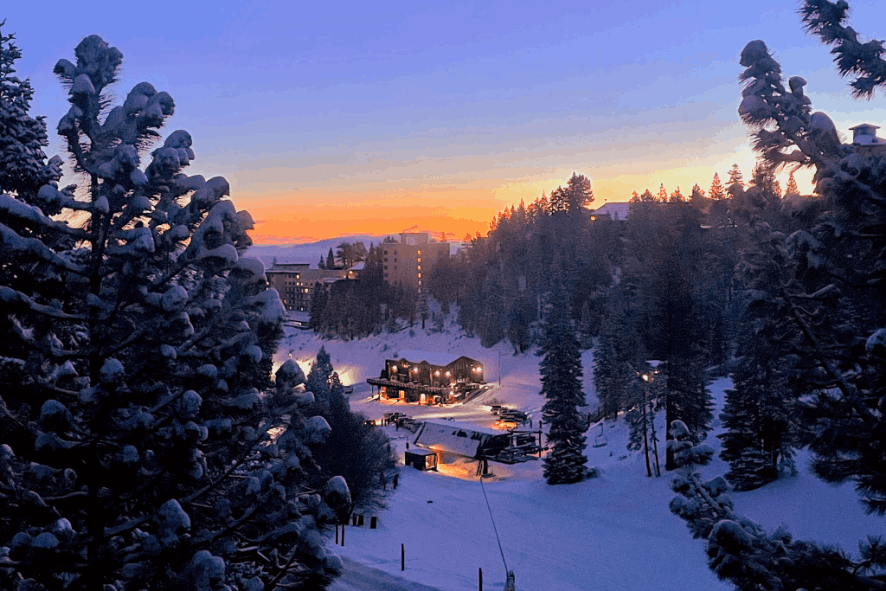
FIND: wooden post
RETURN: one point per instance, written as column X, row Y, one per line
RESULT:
column 539, row 437
column 343, row 528
column 481, row 579
column 373, row 522
column 402, row 557
column 360, row 520
column 336, row 534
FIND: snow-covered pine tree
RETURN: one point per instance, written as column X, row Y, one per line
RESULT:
column 23, row 166
column 759, row 437
column 422, row 308
column 823, row 287
column 615, row 354
column 561, row 373
column 742, row 552
column 142, row 447
column 830, row 288
column 353, row 450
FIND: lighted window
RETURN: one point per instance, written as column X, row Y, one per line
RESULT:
column 419, row 267
column 419, row 275
column 419, row 253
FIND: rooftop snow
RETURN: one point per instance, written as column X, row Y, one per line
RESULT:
column 432, row 357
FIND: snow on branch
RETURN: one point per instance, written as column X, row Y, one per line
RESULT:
column 15, row 208
column 12, row 242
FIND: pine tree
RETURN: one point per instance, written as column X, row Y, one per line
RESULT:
column 717, row 192
column 138, row 413
column 698, row 199
column 759, row 437
column 764, row 178
column 736, row 179
column 641, row 419
column 742, row 552
column 580, row 193
column 359, row 453
column 662, row 194
column 559, row 200
column 422, row 309
column 23, row 169
column 561, row 373
column 791, row 187
column 832, row 295
column 677, row 196
column 330, row 260
column 322, row 263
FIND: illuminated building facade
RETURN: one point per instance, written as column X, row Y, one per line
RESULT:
column 409, row 261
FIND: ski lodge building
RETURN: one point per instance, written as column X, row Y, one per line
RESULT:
column 428, row 378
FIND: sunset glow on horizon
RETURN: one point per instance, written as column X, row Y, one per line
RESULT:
column 342, row 119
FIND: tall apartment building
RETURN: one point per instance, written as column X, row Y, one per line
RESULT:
column 295, row 283
column 409, row 261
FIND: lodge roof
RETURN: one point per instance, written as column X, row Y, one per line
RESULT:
column 432, row 357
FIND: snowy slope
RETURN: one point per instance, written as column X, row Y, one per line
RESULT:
column 614, row 532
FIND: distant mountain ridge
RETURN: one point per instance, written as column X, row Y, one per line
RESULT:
column 312, row 251
column 309, row 252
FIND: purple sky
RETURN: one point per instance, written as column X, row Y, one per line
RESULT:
column 334, row 118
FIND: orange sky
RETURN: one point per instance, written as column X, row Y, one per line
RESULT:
column 331, row 119
column 456, row 208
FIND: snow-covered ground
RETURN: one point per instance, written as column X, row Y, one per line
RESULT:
column 614, row 532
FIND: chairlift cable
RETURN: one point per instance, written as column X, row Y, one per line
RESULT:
column 495, row 529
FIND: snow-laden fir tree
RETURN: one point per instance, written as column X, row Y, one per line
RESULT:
column 746, row 555
column 827, row 282
column 824, row 287
column 353, row 450
column 23, row 169
column 143, row 445
column 561, row 373
column 759, row 437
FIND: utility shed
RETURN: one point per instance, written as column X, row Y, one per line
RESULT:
column 421, row 459
column 460, row 439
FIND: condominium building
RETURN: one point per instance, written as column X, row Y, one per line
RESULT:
column 409, row 261
column 295, row 283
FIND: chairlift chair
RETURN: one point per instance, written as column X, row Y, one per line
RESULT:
column 600, row 439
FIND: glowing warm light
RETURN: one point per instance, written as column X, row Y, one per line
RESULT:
column 645, row 377
column 275, row 432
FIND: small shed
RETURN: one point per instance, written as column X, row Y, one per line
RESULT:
column 421, row 459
